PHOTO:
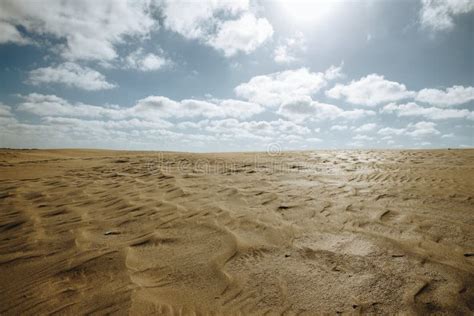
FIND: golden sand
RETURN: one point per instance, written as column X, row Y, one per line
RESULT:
column 88, row 231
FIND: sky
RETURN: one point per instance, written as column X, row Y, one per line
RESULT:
column 243, row 75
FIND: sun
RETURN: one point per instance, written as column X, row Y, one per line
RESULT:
column 307, row 11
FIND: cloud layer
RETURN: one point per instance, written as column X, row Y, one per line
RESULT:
column 72, row 75
column 293, row 96
column 228, row 26
column 438, row 15
column 274, row 89
column 90, row 29
column 371, row 90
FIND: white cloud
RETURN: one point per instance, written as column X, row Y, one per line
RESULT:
column 366, row 127
column 334, row 72
column 287, row 51
column 194, row 124
column 432, row 113
column 300, row 109
column 279, row 87
column 195, row 19
column 450, row 135
column 313, row 140
column 82, row 124
column 10, row 34
column 5, row 110
column 370, row 91
column 389, row 131
column 72, row 75
column 356, row 114
column 237, row 108
column 242, row 35
column 422, row 129
column 289, row 127
column 228, row 26
column 150, row 108
column 74, row 132
column 5, row 123
column 91, row 29
column 438, row 15
column 262, row 129
column 142, row 132
column 417, row 130
column 452, row 96
column 146, row 61
column 110, row 124
column 339, row 127
column 304, row 108
column 51, row 105
column 282, row 56
column 360, row 137
column 164, row 107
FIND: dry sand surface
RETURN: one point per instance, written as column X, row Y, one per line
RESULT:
column 88, row 231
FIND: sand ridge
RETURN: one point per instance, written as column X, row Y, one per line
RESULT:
column 297, row 233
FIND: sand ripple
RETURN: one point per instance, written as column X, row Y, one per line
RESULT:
column 98, row 232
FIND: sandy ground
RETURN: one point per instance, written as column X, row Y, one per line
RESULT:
column 84, row 231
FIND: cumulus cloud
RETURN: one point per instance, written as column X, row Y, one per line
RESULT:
column 82, row 124
column 451, row 96
column 366, row 127
column 287, row 51
column 228, row 26
column 151, row 108
column 90, row 29
column 334, row 72
column 390, row 131
column 109, row 124
column 10, row 34
column 233, row 129
column 432, row 113
column 304, row 108
column 6, row 117
column 339, row 127
column 142, row 61
column 242, row 35
column 360, row 137
column 146, row 119
column 356, row 114
column 417, row 130
column 72, row 75
column 450, row 135
column 438, row 15
column 422, row 129
column 371, row 90
column 5, row 110
column 164, row 107
column 261, row 129
column 279, row 87
column 300, row 109
column 51, row 105
column 195, row 19
column 77, row 132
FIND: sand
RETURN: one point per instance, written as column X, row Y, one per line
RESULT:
column 296, row 233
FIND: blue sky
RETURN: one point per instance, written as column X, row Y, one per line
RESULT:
column 236, row 75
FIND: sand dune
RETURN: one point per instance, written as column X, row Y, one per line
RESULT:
column 299, row 233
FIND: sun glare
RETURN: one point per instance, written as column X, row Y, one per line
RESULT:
column 307, row 11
